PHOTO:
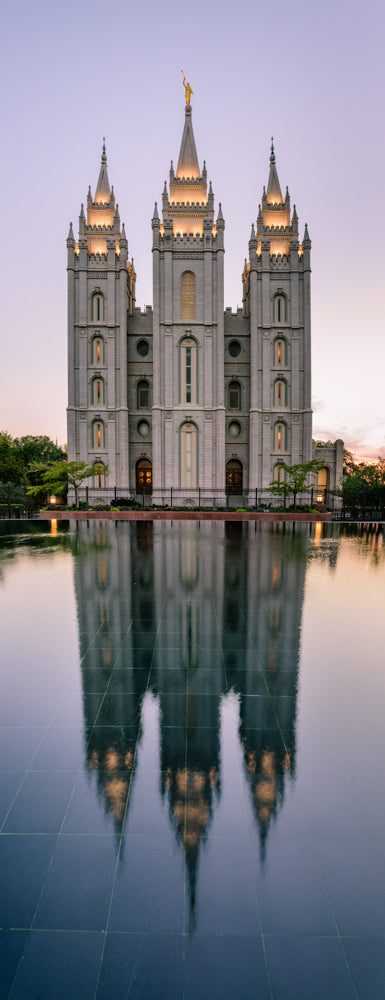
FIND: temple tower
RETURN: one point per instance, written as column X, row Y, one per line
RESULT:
column 188, row 416
column 276, row 299
column 101, row 293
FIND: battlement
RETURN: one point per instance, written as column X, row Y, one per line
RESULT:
column 279, row 260
column 194, row 181
column 183, row 239
column 139, row 311
column 93, row 230
column 282, row 230
column 182, row 205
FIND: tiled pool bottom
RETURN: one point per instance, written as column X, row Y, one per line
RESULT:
column 191, row 749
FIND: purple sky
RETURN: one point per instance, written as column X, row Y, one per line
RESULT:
column 312, row 76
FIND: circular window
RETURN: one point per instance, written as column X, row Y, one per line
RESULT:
column 234, row 429
column 142, row 348
column 143, row 428
column 234, row 348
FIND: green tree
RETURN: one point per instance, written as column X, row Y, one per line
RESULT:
column 296, row 478
column 56, row 478
column 12, row 469
column 39, row 448
column 363, row 485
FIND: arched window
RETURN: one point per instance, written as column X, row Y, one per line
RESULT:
column 99, row 478
column 144, row 476
column 188, row 455
column 188, row 371
column 234, row 396
column 143, row 395
column 98, row 437
column 97, row 351
column 279, row 474
column 97, row 312
column 97, row 395
column 322, row 485
column 188, row 295
column 280, row 436
column 280, row 308
column 280, row 392
column 280, row 352
column 234, row 477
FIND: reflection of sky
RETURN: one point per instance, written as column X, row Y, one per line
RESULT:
column 311, row 76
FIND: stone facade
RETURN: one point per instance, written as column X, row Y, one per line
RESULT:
column 186, row 394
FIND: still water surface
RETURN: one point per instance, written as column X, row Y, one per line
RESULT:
column 192, row 745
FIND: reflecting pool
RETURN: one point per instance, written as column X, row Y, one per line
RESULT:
column 192, row 745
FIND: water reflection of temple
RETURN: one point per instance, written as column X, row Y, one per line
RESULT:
column 188, row 611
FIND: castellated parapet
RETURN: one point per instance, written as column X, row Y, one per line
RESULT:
column 186, row 394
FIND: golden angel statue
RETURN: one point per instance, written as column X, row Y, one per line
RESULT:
column 188, row 89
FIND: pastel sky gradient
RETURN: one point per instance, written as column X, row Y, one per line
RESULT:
column 311, row 75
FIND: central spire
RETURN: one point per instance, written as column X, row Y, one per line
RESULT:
column 274, row 194
column 103, row 193
column 188, row 165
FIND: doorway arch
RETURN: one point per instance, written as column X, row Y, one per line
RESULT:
column 234, row 477
column 144, row 476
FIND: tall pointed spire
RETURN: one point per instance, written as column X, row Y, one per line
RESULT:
column 274, row 194
column 103, row 193
column 188, row 165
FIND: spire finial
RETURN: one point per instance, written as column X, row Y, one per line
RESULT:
column 104, row 145
column 272, row 155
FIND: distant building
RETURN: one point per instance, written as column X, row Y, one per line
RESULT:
column 187, row 394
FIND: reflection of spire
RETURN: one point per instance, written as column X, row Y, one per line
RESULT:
column 190, row 793
column 268, row 697
column 121, row 578
column 266, row 764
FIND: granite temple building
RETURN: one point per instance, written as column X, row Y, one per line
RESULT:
column 188, row 394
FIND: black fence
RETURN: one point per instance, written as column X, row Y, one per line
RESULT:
column 197, row 497
column 14, row 503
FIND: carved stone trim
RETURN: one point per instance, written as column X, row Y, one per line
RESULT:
column 188, row 256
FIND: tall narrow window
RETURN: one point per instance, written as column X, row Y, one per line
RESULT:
column 322, row 486
column 97, row 391
column 279, row 474
column 143, row 395
column 98, row 434
column 188, row 374
column 280, row 309
column 97, row 307
column 234, row 396
column 188, row 295
column 280, row 436
column 99, row 475
column 188, row 456
column 280, row 352
column 97, row 351
column 188, row 371
column 280, row 398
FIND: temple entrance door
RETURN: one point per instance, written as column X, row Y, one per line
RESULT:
column 234, row 477
column 144, row 476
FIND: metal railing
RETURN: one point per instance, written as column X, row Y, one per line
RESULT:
column 197, row 497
